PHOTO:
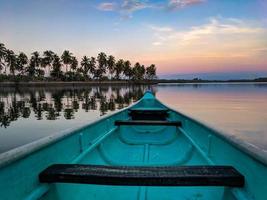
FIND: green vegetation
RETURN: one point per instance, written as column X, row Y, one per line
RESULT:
column 48, row 66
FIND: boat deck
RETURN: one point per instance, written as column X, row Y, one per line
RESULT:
column 140, row 146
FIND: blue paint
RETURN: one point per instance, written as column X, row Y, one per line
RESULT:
column 103, row 143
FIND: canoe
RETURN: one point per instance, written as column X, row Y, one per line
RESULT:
column 145, row 151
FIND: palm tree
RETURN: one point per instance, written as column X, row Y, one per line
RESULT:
column 2, row 56
column 119, row 68
column 66, row 58
column 111, row 65
column 92, row 66
column 74, row 64
column 85, row 63
column 102, row 64
column 11, row 61
column 151, row 72
column 127, row 70
column 56, row 67
column 22, row 62
column 138, row 71
column 47, row 60
column 35, row 62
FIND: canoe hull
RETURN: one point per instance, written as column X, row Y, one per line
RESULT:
column 104, row 143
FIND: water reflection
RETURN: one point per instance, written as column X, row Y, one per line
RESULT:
column 28, row 114
column 51, row 104
column 238, row 109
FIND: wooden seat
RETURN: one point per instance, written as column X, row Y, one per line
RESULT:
column 148, row 114
column 143, row 176
column 148, row 122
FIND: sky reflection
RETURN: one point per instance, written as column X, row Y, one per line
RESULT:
column 237, row 109
column 32, row 113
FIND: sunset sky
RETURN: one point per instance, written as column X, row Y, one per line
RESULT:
column 209, row 38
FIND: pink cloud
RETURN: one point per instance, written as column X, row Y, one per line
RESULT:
column 178, row 4
column 107, row 6
column 127, row 7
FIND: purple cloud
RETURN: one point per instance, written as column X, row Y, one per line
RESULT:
column 178, row 4
column 107, row 6
column 127, row 7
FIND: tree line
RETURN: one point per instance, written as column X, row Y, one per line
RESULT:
column 50, row 66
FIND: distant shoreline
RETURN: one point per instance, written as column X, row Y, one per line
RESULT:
column 73, row 83
column 124, row 82
column 257, row 80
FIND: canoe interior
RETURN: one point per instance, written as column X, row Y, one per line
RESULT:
column 104, row 143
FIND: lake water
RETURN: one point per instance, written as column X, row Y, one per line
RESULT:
column 28, row 114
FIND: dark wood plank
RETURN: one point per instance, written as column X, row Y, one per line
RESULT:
column 148, row 122
column 143, row 176
column 148, row 114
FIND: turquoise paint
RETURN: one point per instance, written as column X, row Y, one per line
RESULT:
column 102, row 143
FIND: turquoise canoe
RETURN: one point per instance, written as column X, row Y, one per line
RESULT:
column 146, row 151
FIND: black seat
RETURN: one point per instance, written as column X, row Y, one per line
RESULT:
column 148, row 122
column 148, row 114
column 143, row 176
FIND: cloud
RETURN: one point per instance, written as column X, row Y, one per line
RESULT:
column 126, row 8
column 263, row 49
column 221, row 27
column 107, row 6
column 157, row 43
column 179, row 4
column 162, row 29
column 130, row 6
column 133, row 5
column 214, row 28
column 219, row 37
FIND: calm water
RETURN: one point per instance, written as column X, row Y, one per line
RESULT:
column 27, row 114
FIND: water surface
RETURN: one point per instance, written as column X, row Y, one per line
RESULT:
column 238, row 109
column 28, row 114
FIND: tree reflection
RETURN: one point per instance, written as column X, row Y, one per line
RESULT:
column 55, row 103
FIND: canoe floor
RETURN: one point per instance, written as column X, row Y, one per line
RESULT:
column 141, row 146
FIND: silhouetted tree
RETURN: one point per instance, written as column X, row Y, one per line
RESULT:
column 127, row 70
column 102, row 65
column 119, row 68
column 73, row 68
column 11, row 61
column 92, row 66
column 151, row 72
column 67, row 59
column 2, row 56
column 47, row 60
column 138, row 71
column 85, row 63
column 74, row 64
column 22, row 62
column 56, row 68
column 111, row 65
column 102, row 68
column 34, row 67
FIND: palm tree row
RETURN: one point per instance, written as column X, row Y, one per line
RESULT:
column 50, row 66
